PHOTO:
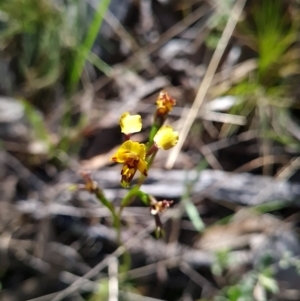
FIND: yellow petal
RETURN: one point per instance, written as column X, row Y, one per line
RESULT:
column 132, row 154
column 138, row 149
column 130, row 123
column 166, row 137
column 129, row 150
column 142, row 167
column 133, row 148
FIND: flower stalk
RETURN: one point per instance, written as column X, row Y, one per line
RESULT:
column 138, row 157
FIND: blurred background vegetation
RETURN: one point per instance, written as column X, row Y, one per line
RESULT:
column 70, row 68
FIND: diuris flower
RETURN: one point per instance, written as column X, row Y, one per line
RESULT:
column 166, row 137
column 159, row 207
column 130, row 123
column 132, row 155
column 164, row 103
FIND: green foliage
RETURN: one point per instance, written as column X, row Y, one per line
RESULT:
column 274, row 35
column 103, row 291
column 252, row 284
column 242, row 291
column 288, row 260
column 217, row 22
column 88, row 43
column 265, row 97
column 36, row 120
column 190, row 208
column 222, row 262
column 27, row 35
column 49, row 41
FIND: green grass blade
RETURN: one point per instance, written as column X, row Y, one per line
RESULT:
column 36, row 120
column 188, row 204
column 100, row 64
column 193, row 215
column 88, row 43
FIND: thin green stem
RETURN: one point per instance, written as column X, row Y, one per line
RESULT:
column 155, row 127
column 100, row 196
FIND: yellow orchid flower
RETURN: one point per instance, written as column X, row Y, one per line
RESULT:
column 130, row 123
column 164, row 103
column 132, row 155
column 166, row 137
